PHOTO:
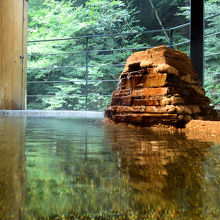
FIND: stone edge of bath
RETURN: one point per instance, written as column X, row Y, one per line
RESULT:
column 88, row 114
column 58, row 113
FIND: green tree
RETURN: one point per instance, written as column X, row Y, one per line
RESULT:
column 211, row 49
column 61, row 20
column 50, row 19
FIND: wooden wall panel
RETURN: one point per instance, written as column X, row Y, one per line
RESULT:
column 13, row 43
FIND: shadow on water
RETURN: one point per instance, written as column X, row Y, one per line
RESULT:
column 83, row 169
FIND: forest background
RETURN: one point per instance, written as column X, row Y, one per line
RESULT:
column 81, row 73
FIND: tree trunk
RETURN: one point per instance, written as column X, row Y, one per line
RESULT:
column 158, row 18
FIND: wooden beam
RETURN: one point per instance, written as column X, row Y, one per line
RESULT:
column 197, row 36
column 13, row 38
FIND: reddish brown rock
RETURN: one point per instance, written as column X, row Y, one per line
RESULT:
column 158, row 86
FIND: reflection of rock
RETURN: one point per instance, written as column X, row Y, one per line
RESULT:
column 166, row 167
column 158, row 86
column 12, row 168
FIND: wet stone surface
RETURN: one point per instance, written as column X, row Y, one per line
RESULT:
column 159, row 87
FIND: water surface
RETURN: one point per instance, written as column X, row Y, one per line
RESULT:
column 79, row 168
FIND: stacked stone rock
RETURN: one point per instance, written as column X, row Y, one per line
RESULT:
column 158, row 87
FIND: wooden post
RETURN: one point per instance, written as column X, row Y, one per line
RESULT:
column 197, row 36
column 13, row 54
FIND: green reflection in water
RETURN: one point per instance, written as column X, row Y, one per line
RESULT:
column 83, row 169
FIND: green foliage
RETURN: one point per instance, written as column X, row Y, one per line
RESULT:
column 212, row 48
column 49, row 19
column 61, row 20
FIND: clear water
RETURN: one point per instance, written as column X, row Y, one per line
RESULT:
column 69, row 168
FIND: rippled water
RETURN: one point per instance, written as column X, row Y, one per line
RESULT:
column 69, row 168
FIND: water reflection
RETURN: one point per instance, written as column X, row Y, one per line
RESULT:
column 84, row 169
column 12, row 168
column 167, row 170
column 71, row 169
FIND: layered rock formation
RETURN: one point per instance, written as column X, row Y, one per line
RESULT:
column 158, row 87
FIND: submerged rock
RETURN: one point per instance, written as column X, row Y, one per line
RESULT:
column 158, row 87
